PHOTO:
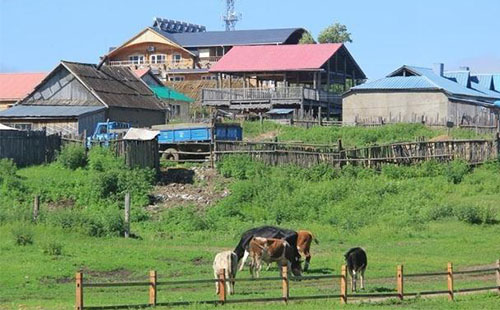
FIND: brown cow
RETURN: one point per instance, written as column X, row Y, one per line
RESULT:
column 269, row 250
column 304, row 240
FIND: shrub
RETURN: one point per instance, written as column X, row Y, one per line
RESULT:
column 72, row 156
column 102, row 159
column 23, row 235
column 438, row 212
column 185, row 219
column 52, row 248
column 456, row 170
column 468, row 214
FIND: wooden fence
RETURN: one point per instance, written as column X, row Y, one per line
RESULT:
column 342, row 294
column 28, row 147
column 307, row 155
column 137, row 153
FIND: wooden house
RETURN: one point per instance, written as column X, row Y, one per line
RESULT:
column 305, row 78
column 179, row 51
column 75, row 96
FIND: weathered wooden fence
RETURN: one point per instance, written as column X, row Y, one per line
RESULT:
column 307, row 155
column 28, row 147
column 138, row 153
column 342, row 294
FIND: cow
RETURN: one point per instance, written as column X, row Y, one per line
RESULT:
column 227, row 261
column 356, row 262
column 289, row 236
column 304, row 240
column 268, row 250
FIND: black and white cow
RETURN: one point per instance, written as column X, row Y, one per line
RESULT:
column 290, row 236
column 356, row 262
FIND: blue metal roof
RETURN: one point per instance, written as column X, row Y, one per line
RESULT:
column 496, row 82
column 460, row 77
column 484, row 80
column 280, row 111
column 489, row 93
column 399, row 82
column 497, row 103
column 26, row 111
column 232, row 38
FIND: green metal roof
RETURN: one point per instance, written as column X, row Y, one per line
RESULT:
column 164, row 92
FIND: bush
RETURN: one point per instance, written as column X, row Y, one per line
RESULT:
column 23, row 235
column 438, row 212
column 185, row 219
column 468, row 214
column 52, row 248
column 72, row 156
column 456, row 170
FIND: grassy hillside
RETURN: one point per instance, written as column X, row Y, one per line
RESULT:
column 351, row 136
column 421, row 216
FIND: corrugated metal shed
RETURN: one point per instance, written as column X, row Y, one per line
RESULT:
column 27, row 111
column 232, row 38
column 399, row 82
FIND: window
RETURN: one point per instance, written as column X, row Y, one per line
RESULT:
column 209, row 77
column 26, row 127
column 136, row 59
column 158, row 58
column 176, row 58
column 176, row 78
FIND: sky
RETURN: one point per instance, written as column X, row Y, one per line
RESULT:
column 35, row 35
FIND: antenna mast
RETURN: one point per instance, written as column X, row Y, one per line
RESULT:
column 231, row 16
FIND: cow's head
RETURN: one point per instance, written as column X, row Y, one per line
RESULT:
column 296, row 267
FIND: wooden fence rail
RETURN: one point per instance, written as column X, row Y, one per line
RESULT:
column 28, row 147
column 285, row 280
column 474, row 151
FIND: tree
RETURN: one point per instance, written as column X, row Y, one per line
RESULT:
column 336, row 33
column 307, row 38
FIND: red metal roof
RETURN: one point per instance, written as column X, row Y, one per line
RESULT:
column 15, row 86
column 141, row 72
column 302, row 57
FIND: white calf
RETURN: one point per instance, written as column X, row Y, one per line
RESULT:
column 227, row 261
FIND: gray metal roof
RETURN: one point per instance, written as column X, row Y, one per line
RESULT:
column 232, row 38
column 27, row 111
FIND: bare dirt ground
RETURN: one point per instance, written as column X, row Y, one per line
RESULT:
column 198, row 186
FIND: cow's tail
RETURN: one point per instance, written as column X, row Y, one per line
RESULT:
column 315, row 239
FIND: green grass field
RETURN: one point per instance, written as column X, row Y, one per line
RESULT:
column 421, row 216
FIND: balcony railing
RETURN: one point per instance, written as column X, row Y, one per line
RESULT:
column 224, row 96
column 183, row 64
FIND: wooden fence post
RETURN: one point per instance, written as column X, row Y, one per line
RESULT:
column 450, row 281
column 400, row 280
column 222, row 286
column 152, row 287
column 36, row 207
column 343, row 285
column 127, row 214
column 79, row 291
column 498, row 275
column 285, row 283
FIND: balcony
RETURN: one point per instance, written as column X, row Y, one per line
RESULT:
column 207, row 62
column 167, row 65
column 267, row 98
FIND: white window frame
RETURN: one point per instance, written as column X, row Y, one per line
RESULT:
column 154, row 58
column 176, row 78
column 176, row 58
column 139, row 61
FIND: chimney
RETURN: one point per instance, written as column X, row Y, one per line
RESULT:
column 464, row 68
column 439, row 69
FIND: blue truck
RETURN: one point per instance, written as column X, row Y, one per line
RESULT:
column 189, row 141
column 107, row 131
column 192, row 141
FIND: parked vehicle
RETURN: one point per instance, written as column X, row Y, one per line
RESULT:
column 107, row 131
column 192, row 141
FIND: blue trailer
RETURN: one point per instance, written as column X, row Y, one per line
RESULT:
column 193, row 141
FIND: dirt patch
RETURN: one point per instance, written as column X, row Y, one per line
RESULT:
column 198, row 186
column 54, row 280
column 441, row 138
column 198, row 261
column 118, row 274
column 266, row 136
column 61, row 204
